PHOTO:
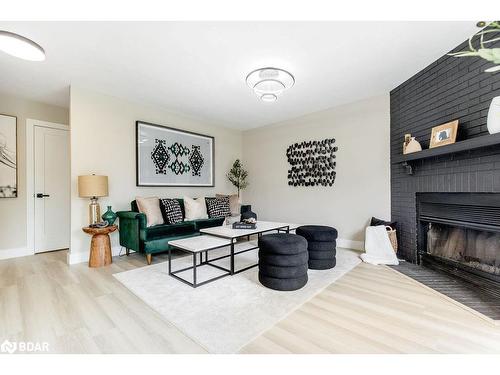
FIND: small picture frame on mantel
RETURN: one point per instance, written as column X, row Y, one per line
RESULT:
column 445, row 134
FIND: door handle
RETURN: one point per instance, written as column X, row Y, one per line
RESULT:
column 41, row 195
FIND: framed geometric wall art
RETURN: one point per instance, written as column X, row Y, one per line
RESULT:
column 172, row 157
column 8, row 156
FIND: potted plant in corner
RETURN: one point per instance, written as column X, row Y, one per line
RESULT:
column 238, row 176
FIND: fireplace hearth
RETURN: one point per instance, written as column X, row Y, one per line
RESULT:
column 459, row 233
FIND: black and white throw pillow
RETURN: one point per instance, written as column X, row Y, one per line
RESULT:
column 218, row 207
column 172, row 211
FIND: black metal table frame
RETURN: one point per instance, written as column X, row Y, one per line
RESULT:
column 208, row 262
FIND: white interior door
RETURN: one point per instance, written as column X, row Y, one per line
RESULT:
column 52, row 188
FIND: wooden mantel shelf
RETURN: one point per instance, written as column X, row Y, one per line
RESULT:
column 467, row 145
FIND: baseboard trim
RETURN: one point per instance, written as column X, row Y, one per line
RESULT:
column 75, row 258
column 83, row 257
column 350, row 244
column 15, row 253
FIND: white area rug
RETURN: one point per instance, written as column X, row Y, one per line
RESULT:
column 225, row 315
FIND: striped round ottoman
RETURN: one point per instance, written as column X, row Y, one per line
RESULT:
column 283, row 261
column 321, row 244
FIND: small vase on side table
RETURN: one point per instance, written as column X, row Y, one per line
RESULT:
column 109, row 216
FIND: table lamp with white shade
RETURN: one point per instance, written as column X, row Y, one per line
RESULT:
column 93, row 187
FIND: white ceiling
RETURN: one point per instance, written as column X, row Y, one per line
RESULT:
column 199, row 68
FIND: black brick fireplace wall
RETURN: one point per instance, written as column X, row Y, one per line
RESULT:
column 448, row 89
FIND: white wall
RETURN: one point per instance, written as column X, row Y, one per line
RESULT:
column 362, row 185
column 103, row 142
column 13, row 210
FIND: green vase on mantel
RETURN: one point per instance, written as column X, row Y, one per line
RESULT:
column 109, row 216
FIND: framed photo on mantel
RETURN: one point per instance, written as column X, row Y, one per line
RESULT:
column 445, row 134
column 8, row 156
column 173, row 157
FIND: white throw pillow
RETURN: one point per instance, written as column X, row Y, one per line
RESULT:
column 151, row 207
column 195, row 208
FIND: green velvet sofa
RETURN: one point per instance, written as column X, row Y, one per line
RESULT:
column 135, row 235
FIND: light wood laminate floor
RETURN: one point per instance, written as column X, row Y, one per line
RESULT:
column 370, row 310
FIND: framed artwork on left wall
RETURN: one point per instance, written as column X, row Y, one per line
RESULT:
column 172, row 157
column 8, row 156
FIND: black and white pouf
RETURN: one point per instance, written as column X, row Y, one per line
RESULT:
column 283, row 261
column 321, row 244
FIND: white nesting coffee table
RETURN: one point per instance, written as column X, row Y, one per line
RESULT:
column 216, row 238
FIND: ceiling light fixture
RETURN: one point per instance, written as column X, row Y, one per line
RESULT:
column 268, row 83
column 269, row 97
column 19, row 46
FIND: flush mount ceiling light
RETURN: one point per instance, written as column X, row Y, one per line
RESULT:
column 269, row 97
column 19, row 46
column 268, row 83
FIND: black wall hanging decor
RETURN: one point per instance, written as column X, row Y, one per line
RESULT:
column 312, row 163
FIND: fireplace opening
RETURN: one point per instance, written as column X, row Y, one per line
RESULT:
column 477, row 249
column 459, row 233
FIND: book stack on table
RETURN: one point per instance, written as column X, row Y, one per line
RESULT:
column 243, row 225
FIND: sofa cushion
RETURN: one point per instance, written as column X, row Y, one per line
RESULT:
column 218, row 207
column 195, row 208
column 208, row 223
column 151, row 208
column 161, row 245
column 171, row 210
column 234, row 203
column 166, row 230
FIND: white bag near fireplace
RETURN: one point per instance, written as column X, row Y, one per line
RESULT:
column 378, row 248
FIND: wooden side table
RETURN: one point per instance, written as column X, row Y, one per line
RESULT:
column 100, row 245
